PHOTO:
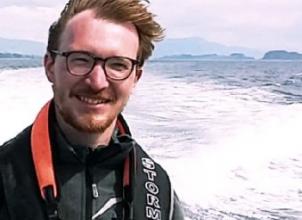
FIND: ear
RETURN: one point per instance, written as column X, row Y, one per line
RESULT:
column 49, row 63
column 138, row 74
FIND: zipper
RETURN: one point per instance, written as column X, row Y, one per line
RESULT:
column 89, row 192
column 95, row 192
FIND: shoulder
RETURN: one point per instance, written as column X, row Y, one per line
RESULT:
column 10, row 152
column 143, row 155
column 13, row 147
column 153, row 170
column 146, row 163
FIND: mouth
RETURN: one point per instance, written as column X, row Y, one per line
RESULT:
column 93, row 100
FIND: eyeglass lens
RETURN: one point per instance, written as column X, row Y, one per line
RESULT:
column 115, row 67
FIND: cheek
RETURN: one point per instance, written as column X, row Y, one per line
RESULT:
column 122, row 92
column 60, row 72
column 63, row 84
column 62, row 79
column 126, row 88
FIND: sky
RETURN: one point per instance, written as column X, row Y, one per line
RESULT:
column 257, row 24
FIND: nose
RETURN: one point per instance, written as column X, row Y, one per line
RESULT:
column 97, row 78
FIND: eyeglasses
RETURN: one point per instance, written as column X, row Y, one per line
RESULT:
column 80, row 63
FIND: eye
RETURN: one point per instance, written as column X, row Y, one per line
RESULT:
column 118, row 64
column 79, row 59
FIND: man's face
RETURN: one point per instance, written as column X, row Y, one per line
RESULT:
column 92, row 103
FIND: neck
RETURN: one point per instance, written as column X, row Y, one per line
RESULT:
column 92, row 140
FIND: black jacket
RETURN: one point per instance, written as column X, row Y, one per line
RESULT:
column 90, row 183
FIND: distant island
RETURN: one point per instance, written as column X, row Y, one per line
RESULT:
column 199, row 46
column 179, row 49
column 16, row 55
column 270, row 55
column 233, row 56
column 282, row 55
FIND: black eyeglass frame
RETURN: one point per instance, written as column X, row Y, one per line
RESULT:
column 66, row 54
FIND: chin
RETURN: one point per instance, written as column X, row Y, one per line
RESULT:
column 87, row 123
column 91, row 124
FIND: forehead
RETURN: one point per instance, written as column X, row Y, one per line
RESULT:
column 86, row 32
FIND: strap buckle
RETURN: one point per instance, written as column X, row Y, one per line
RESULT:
column 51, row 203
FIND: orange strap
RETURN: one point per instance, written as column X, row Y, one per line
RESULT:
column 41, row 152
column 42, row 155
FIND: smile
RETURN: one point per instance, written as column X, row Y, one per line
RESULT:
column 92, row 101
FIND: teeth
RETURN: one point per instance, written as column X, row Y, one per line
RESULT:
column 92, row 101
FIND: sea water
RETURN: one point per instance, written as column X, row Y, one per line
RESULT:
column 17, row 63
column 228, row 133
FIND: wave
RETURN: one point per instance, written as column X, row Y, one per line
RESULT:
column 198, row 213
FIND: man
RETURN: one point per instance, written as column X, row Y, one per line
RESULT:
column 78, row 159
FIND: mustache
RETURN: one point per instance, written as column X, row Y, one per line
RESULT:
column 87, row 92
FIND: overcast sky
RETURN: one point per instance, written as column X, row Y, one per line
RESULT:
column 259, row 24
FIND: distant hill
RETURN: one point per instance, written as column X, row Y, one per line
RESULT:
column 282, row 55
column 234, row 56
column 22, row 47
column 197, row 46
column 183, row 48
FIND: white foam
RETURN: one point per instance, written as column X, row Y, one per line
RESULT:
column 245, row 152
column 23, row 91
column 257, row 166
